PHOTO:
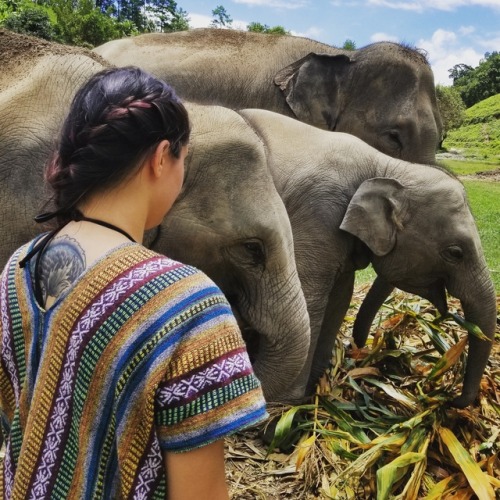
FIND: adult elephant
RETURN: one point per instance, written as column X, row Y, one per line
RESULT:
column 240, row 237
column 350, row 205
column 383, row 93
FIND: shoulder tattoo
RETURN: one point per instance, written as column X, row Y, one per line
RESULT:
column 61, row 264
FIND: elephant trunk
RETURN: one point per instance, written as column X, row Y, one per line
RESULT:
column 284, row 337
column 371, row 304
column 479, row 309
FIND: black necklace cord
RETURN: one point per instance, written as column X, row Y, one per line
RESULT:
column 41, row 244
column 80, row 217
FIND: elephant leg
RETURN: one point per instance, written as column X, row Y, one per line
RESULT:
column 373, row 301
column 338, row 303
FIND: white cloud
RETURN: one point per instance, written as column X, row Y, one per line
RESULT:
column 203, row 21
column 445, row 49
column 490, row 44
column 279, row 4
column 383, row 37
column 421, row 5
column 466, row 30
column 199, row 20
column 313, row 32
column 414, row 5
column 441, row 66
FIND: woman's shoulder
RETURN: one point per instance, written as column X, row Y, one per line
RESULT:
column 20, row 253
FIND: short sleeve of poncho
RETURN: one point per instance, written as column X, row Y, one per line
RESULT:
column 209, row 389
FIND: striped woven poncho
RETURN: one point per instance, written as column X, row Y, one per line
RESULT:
column 142, row 355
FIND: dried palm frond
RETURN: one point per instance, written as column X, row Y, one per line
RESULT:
column 379, row 426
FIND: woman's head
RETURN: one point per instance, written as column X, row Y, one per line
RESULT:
column 116, row 119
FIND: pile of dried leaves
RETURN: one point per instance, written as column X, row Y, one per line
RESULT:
column 379, row 427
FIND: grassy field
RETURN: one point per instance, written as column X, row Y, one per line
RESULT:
column 479, row 135
column 467, row 167
column 484, row 198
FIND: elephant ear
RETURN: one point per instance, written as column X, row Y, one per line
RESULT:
column 376, row 213
column 312, row 87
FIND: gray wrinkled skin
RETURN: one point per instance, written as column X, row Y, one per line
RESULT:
column 383, row 93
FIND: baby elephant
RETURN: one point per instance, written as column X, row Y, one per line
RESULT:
column 350, row 205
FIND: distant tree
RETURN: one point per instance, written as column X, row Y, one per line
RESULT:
column 451, row 107
column 459, row 71
column 107, row 6
column 257, row 27
column 87, row 25
column 349, row 45
column 91, row 22
column 477, row 84
column 30, row 21
column 264, row 28
column 134, row 11
column 166, row 16
column 221, row 18
column 90, row 29
column 180, row 21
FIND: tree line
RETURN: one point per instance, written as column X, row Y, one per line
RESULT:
column 89, row 23
column 470, row 86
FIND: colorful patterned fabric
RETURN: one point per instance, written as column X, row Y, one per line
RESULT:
column 142, row 355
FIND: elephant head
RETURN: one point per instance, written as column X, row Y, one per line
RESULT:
column 383, row 93
column 37, row 82
column 230, row 222
column 423, row 240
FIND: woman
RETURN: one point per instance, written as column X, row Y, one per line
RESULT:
column 121, row 370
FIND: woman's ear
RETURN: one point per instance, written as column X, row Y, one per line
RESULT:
column 159, row 157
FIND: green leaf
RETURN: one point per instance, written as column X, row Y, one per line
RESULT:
column 471, row 328
column 345, row 421
column 448, row 359
column 389, row 474
column 284, row 425
column 393, row 393
column 477, row 479
column 435, row 334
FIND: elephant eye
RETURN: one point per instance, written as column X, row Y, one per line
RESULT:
column 395, row 139
column 453, row 253
column 255, row 250
column 248, row 253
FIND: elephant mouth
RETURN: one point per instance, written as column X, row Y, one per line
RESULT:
column 250, row 336
column 252, row 341
column 434, row 293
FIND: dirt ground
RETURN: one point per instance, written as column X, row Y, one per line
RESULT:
column 487, row 175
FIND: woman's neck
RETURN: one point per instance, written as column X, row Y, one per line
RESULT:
column 124, row 207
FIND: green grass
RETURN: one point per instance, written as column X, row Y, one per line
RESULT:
column 484, row 111
column 479, row 136
column 477, row 140
column 468, row 167
column 484, row 199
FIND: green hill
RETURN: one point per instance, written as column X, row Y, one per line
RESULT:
column 479, row 136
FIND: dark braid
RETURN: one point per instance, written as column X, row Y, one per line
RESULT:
column 115, row 120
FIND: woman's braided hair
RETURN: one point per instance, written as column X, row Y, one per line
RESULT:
column 116, row 119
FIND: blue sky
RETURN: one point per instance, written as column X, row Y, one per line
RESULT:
column 451, row 31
